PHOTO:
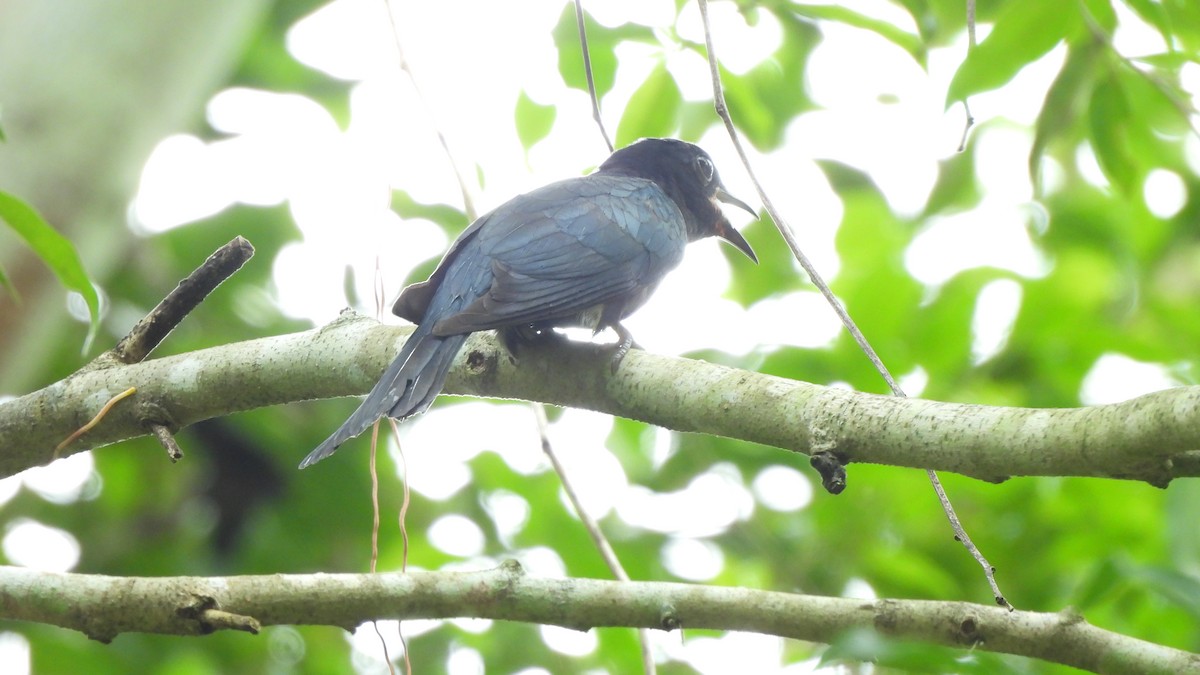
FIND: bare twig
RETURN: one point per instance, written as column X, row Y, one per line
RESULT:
column 406, row 498
column 374, row 497
column 967, row 124
column 190, row 292
column 592, row 527
column 387, row 658
column 970, row 121
column 155, row 326
column 1181, row 104
column 373, row 468
column 784, row 228
column 587, row 69
column 379, row 287
column 959, row 533
column 786, row 231
column 167, row 440
column 216, row 619
column 971, row 22
column 961, row 536
column 402, row 62
column 402, row 523
column 589, row 523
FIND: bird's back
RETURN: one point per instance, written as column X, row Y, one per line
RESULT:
column 553, row 254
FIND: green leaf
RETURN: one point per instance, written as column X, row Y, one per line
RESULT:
column 957, row 188
column 1159, row 108
column 1183, row 17
column 1183, row 509
column 1102, row 580
column 1067, row 98
column 1101, row 13
column 942, row 325
column 765, row 99
column 749, row 106
column 1024, row 31
column 776, row 272
column 873, row 283
column 1177, row 587
column 1172, row 21
column 533, row 120
column 268, row 64
column 652, row 110
column 602, row 43
column 56, row 251
column 1167, row 60
column 8, row 285
column 888, row 31
column 451, row 219
column 1109, row 113
column 1152, row 13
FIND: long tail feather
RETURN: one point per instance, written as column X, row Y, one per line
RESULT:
column 406, row 388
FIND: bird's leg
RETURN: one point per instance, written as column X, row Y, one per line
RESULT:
column 516, row 338
column 623, row 346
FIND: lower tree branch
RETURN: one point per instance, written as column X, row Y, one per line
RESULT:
column 1153, row 438
column 103, row 607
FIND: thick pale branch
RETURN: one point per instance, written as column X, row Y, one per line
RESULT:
column 1151, row 438
column 103, row 607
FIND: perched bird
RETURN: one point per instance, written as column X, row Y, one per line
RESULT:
column 583, row 252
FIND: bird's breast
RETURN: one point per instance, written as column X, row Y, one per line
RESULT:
column 609, row 313
column 591, row 317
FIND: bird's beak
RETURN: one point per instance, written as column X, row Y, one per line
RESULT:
column 727, row 231
column 724, row 196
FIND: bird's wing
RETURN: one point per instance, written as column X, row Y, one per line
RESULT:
column 570, row 246
column 413, row 301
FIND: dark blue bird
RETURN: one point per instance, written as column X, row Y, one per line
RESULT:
column 583, row 252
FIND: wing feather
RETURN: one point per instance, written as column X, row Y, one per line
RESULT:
column 569, row 247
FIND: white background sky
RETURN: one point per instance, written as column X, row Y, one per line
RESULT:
column 471, row 60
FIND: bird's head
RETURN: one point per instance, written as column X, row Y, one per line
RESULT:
column 687, row 174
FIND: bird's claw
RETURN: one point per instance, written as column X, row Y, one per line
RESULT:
column 623, row 347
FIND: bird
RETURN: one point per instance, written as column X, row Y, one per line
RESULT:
column 581, row 252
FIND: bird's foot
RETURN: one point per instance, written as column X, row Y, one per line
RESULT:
column 517, row 338
column 623, row 346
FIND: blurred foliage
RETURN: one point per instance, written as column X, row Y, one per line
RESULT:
column 1121, row 280
column 533, row 120
column 53, row 249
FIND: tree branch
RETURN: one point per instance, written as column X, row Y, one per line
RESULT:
column 103, row 607
column 1153, row 438
column 155, row 326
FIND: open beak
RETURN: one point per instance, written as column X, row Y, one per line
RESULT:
column 724, row 196
column 727, row 231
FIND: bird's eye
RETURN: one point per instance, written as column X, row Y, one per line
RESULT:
column 705, row 168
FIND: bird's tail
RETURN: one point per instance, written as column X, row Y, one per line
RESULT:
column 406, row 388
